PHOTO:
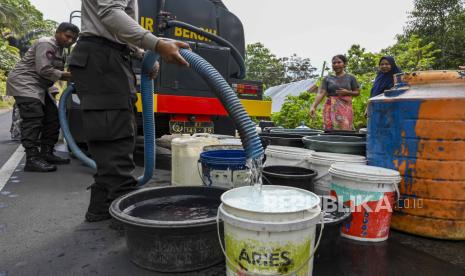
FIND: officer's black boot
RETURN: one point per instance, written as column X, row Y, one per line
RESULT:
column 99, row 204
column 35, row 163
column 46, row 151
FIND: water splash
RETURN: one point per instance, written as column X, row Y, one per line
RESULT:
column 256, row 167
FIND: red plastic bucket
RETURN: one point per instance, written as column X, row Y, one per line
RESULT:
column 370, row 192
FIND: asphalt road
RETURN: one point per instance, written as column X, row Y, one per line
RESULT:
column 43, row 232
column 7, row 147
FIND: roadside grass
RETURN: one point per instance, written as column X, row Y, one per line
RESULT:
column 6, row 102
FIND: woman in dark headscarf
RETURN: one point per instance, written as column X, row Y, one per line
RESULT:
column 385, row 78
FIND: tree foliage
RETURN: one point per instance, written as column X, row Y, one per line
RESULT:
column 8, row 56
column 441, row 22
column 20, row 17
column 412, row 54
column 264, row 66
column 297, row 68
column 360, row 61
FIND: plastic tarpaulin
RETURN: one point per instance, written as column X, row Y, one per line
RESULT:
column 278, row 93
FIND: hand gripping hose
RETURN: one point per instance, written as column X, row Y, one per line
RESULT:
column 148, row 120
column 219, row 40
column 250, row 139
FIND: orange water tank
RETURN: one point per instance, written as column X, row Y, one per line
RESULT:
column 418, row 128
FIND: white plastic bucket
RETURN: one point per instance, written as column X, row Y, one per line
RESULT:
column 322, row 161
column 287, row 156
column 269, row 232
column 370, row 192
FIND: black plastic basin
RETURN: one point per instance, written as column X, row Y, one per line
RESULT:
column 289, row 176
column 300, row 131
column 269, row 128
column 336, row 143
column 344, row 133
column 171, row 229
column 282, row 139
column 340, row 132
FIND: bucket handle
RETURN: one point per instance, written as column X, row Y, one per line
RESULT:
column 236, row 267
column 200, row 174
column 397, row 191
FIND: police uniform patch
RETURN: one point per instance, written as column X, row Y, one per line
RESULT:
column 50, row 54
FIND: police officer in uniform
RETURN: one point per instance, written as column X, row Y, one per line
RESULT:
column 101, row 68
column 41, row 66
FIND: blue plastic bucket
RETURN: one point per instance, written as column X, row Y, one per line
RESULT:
column 224, row 168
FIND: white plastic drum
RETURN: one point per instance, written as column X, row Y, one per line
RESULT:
column 186, row 151
column 322, row 161
column 287, row 156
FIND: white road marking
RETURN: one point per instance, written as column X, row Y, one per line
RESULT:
column 9, row 167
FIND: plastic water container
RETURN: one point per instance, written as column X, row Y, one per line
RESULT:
column 322, row 161
column 270, row 232
column 186, row 151
column 231, row 141
column 370, row 193
column 418, row 129
column 224, row 168
column 287, row 156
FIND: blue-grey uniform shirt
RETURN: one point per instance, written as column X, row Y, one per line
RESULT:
column 115, row 20
column 41, row 66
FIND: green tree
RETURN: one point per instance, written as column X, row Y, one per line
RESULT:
column 360, row 61
column 441, row 22
column 297, row 68
column 20, row 17
column 412, row 54
column 9, row 56
column 359, row 104
column 364, row 66
column 264, row 66
column 7, row 13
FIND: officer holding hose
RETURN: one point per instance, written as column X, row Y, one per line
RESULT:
column 101, row 69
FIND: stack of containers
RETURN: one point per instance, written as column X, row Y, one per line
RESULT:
column 322, row 161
